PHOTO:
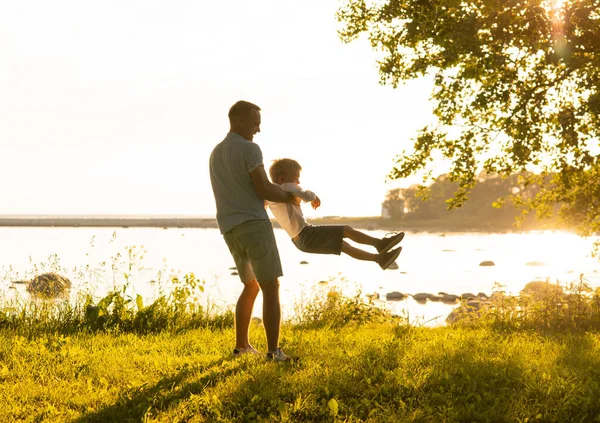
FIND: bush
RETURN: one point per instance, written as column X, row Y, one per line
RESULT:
column 335, row 310
column 540, row 306
column 118, row 312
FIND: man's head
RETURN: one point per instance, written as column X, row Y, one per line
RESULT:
column 285, row 171
column 244, row 119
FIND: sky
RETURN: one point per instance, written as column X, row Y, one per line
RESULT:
column 113, row 107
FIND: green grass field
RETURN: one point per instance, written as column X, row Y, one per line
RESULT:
column 379, row 372
column 535, row 357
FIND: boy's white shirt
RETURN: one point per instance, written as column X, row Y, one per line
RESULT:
column 290, row 216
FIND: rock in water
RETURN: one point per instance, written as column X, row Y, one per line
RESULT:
column 469, row 310
column 450, row 298
column 539, row 290
column 483, row 296
column 48, row 285
column 487, row 263
column 394, row 296
column 393, row 266
column 421, row 297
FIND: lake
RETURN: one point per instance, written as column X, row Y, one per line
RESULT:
column 96, row 259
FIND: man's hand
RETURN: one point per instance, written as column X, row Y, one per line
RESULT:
column 315, row 203
column 296, row 201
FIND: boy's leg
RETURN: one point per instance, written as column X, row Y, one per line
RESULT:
column 358, row 253
column 360, row 237
column 243, row 313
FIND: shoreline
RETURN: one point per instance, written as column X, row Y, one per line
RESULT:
column 365, row 223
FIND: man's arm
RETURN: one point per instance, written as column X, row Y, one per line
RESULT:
column 268, row 191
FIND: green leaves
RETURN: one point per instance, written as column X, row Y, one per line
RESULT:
column 516, row 88
column 333, row 406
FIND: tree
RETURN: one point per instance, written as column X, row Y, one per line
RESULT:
column 394, row 204
column 516, row 90
column 475, row 213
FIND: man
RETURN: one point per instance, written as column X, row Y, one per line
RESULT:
column 240, row 186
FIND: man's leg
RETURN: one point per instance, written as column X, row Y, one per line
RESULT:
column 357, row 253
column 271, row 313
column 360, row 237
column 243, row 313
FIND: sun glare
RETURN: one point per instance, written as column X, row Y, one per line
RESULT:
column 555, row 10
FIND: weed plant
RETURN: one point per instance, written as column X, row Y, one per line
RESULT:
column 176, row 307
column 571, row 307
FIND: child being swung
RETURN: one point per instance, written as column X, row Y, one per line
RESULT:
column 323, row 239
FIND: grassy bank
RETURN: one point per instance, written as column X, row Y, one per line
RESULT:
column 529, row 358
column 378, row 372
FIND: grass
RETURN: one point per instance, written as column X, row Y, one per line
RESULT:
column 533, row 357
column 378, row 372
column 357, row 363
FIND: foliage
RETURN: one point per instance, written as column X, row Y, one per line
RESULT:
column 334, row 310
column 483, row 210
column 118, row 312
column 516, row 88
column 541, row 306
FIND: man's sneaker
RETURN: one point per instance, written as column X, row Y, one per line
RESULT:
column 389, row 242
column 279, row 355
column 386, row 259
column 243, row 351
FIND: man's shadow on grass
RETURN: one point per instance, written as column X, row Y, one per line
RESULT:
column 134, row 405
column 477, row 389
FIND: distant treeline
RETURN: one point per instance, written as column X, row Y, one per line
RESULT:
column 484, row 208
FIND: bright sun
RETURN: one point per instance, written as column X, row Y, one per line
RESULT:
column 554, row 4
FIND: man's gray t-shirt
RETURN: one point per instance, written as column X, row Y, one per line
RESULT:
column 231, row 162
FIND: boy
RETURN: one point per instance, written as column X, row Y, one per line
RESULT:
column 323, row 239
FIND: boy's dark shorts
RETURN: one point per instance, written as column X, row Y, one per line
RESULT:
column 254, row 250
column 321, row 239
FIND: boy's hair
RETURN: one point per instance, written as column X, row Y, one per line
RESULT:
column 283, row 167
column 242, row 109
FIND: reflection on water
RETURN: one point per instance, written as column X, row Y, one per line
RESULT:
column 95, row 259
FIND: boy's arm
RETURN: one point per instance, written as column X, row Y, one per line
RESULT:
column 268, row 191
column 299, row 192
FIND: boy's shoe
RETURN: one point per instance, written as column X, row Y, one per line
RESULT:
column 243, row 351
column 279, row 355
column 389, row 242
column 386, row 259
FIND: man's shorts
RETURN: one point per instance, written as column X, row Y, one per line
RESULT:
column 321, row 239
column 254, row 250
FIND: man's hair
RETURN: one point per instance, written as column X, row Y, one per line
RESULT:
column 242, row 109
column 283, row 167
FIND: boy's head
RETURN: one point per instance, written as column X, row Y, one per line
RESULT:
column 285, row 171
